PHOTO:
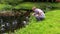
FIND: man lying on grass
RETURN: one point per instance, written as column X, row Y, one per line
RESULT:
column 38, row 13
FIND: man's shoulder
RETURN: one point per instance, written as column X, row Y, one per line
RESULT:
column 37, row 9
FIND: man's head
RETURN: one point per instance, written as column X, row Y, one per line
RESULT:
column 33, row 8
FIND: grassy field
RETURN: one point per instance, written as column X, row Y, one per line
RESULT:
column 42, row 5
column 5, row 6
column 51, row 25
column 29, row 5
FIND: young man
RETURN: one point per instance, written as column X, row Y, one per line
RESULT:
column 38, row 13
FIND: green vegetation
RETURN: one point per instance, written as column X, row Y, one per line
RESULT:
column 51, row 25
column 5, row 7
column 10, row 2
column 29, row 5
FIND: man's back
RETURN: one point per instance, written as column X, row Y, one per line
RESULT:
column 42, row 15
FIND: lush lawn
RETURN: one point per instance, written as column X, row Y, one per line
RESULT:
column 29, row 5
column 51, row 25
column 42, row 5
column 5, row 6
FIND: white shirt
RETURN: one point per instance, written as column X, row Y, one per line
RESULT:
column 42, row 15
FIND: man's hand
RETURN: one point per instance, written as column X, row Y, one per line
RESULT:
column 33, row 14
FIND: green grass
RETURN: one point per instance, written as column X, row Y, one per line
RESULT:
column 29, row 5
column 42, row 5
column 5, row 6
column 51, row 25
